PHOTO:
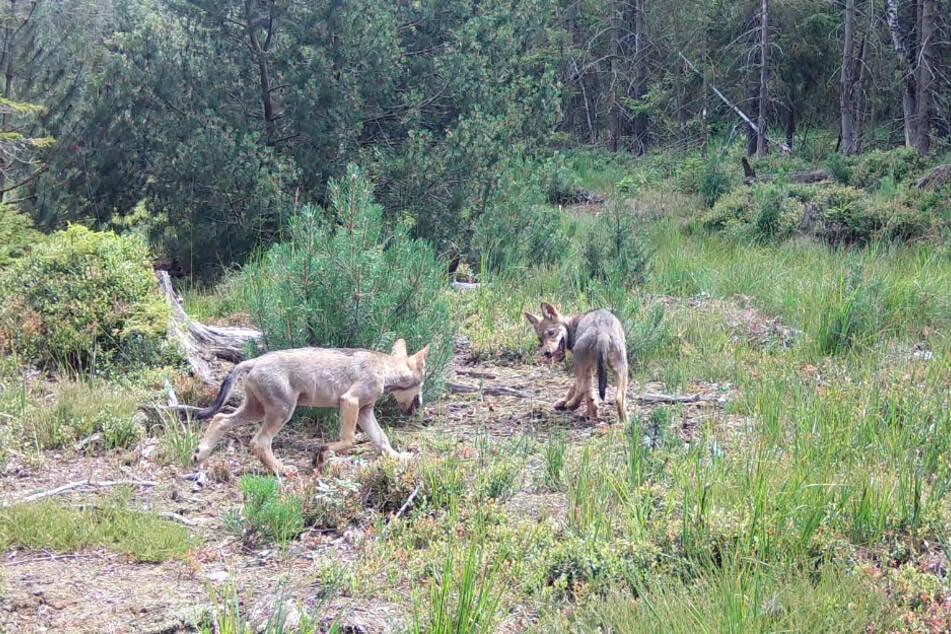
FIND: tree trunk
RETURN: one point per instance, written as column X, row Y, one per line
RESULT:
column 906, row 57
column 614, row 116
column 847, row 113
column 859, row 88
column 641, row 71
column 763, row 80
column 924, row 75
column 260, row 51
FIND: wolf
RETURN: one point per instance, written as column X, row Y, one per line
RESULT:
column 597, row 340
column 346, row 378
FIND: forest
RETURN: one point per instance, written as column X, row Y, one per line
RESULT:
column 760, row 191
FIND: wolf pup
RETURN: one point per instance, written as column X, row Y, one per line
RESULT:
column 350, row 379
column 597, row 341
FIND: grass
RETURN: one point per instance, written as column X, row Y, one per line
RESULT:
column 109, row 522
column 816, row 499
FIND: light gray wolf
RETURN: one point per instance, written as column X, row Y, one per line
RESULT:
column 349, row 379
column 597, row 340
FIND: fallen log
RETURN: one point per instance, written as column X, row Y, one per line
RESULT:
column 805, row 178
column 202, row 343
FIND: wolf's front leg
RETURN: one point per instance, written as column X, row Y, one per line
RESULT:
column 368, row 423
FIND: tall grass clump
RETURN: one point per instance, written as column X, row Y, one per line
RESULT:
column 83, row 300
column 739, row 597
column 267, row 514
column 463, row 598
column 345, row 279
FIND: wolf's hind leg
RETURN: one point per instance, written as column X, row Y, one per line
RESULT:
column 250, row 411
column 274, row 419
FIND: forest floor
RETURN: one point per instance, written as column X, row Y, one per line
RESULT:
column 103, row 591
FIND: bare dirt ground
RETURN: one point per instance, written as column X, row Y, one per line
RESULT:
column 101, row 591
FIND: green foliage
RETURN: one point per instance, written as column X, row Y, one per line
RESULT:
column 872, row 167
column 610, row 249
column 178, row 441
column 109, row 523
column 839, row 168
column 714, row 181
column 266, row 514
column 17, row 234
column 84, row 301
column 462, row 599
column 343, row 280
column 732, row 599
column 517, row 229
column 849, row 315
column 838, row 214
column 90, row 415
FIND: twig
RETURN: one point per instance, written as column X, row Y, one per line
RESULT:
column 400, row 512
column 460, row 388
column 181, row 519
column 39, row 495
column 675, row 398
column 33, row 560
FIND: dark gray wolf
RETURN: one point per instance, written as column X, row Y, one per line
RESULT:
column 597, row 340
column 349, row 379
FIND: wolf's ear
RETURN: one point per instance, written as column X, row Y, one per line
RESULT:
column 399, row 348
column 550, row 312
column 421, row 355
column 534, row 319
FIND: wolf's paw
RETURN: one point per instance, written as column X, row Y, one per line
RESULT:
column 404, row 456
column 199, row 456
column 287, row 470
column 562, row 404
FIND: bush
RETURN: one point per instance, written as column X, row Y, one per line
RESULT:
column 341, row 280
column 16, row 234
column 517, row 229
column 898, row 164
column 84, row 300
column 611, row 249
column 714, row 182
column 266, row 514
column 839, row 168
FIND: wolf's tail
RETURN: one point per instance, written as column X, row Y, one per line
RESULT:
column 239, row 371
column 602, row 372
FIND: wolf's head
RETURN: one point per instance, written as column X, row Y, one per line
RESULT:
column 552, row 330
column 410, row 397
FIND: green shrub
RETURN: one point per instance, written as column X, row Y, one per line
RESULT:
column 874, row 166
column 714, row 182
column 342, row 280
column 611, row 249
column 561, row 184
column 731, row 210
column 839, row 168
column 84, row 300
column 17, row 234
column 77, row 410
column 851, row 313
column 266, row 514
